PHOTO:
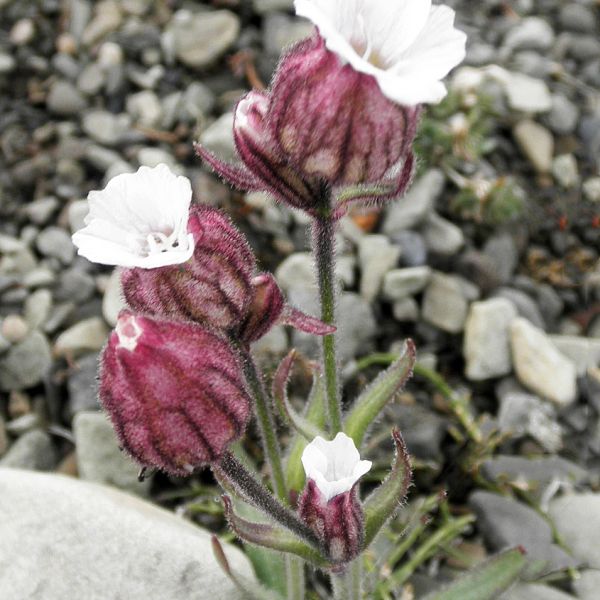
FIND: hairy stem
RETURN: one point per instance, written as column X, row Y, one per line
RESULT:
column 347, row 585
column 294, row 569
column 266, row 423
column 324, row 253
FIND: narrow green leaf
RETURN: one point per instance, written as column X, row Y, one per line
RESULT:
column 386, row 499
column 373, row 400
column 271, row 536
column 315, row 414
column 487, row 581
column 301, row 425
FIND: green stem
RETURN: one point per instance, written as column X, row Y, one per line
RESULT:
column 347, row 585
column 294, row 568
column 324, row 252
column 266, row 423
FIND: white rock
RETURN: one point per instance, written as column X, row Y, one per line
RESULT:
column 527, row 94
column 218, row 137
column 531, row 33
column 38, row 307
column 444, row 303
column 565, row 170
column 584, row 352
column 97, row 543
column 87, row 335
column 537, row 144
column 376, row 256
column 406, row 310
column 145, row 108
column 486, row 345
column 591, row 189
column 113, row 302
column 400, row 283
column 539, row 365
column 441, row 236
column 77, row 212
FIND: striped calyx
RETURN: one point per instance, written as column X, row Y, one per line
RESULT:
column 174, row 391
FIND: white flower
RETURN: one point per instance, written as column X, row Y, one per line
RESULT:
column 139, row 220
column 334, row 466
column 407, row 45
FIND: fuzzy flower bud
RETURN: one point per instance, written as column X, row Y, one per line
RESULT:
column 174, row 392
column 213, row 287
column 329, row 504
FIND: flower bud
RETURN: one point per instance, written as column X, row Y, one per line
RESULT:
column 174, row 392
column 329, row 504
column 333, row 123
column 212, row 287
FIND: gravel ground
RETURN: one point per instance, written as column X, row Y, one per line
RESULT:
column 491, row 263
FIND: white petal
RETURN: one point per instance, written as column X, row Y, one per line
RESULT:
column 334, row 466
column 152, row 204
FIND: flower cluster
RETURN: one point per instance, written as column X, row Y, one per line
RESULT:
column 171, row 379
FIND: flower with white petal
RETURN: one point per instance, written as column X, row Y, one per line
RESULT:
column 139, row 220
column 334, row 466
column 407, row 45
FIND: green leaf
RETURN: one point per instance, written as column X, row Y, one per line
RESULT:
column 301, row 425
column 269, row 567
column 487, row 581
column 315, row 414
column 373, row 400
column 385, row 499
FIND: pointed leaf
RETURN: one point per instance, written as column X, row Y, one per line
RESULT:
column 271, row 536
column 386, row 499
column 487, row 581
column 252, row 589
column 303, row 322
column 373, row 400
column 315, row 414
column 303, row 426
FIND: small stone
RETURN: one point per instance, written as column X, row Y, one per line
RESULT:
column 83, row 385
column 591, row 189
column 563, row 116
column 65, row 99
column 401, row 283
column 77, row 212
column 7, row 63
column 105, row 127
column 441, row 236
column 540, row 366
column 14, row 329
column 584, row 47
column 144, row 108
column 583, row 352
column 85, row 528
column 85, row 336
column 578, row 17
column 113, row 302
column 577, row 520
column 26, row 363
column 75, row 285
column 486, row 342
column 265, row 6
column 524, row 304
column 508, row 523
column 406, row 310
column 565, row 171
column 22, row 32
column 297, row 270
column 413, row 249
column 107, row 18
column 527, row 94
column 33, row 451
column 502, row 251
column 56, row 242
column 537, row 144
column 99, row 458
column 418, row 202
column 91, row 79
column 200, row 39
column 40, row 211
column 152, row 156
column 444, row 303
column 531, row 33
column 376, row 256
column 218, row 137
column 272, row 345
column 281, row 31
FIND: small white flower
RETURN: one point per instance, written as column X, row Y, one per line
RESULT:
column 407, row 45
column 139, row 220
column 334, row 466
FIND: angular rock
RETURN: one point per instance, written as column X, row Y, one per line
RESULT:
column 56, row 242
column 376, row 256
column 218, row 137
column 537, row 144
column 85, row 336
column 584, row 352
column 401, row 283
column 26, row 363
column 442, row 236
column 524, row 304
column 444, row 303
column 539, row 365
column 531, row 33
column 65, row 99
column 406, row 309
column 486, row 346
column 92, row 541
column 33, row 451
column 418, row 202
column 82, row 385
column 577, row 519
